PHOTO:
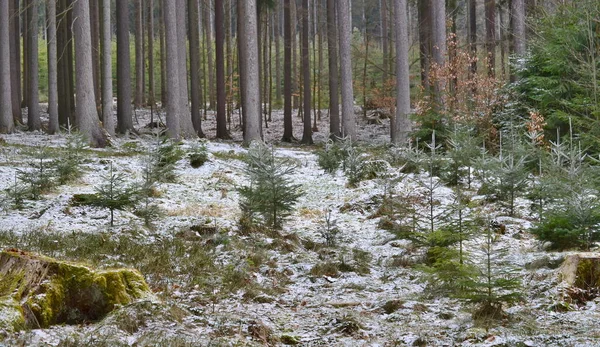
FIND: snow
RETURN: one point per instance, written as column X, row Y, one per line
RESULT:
column 311, row 307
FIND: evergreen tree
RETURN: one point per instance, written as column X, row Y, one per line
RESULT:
column 114, row 193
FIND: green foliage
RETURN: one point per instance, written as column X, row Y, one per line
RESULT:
column 69, row 165
column 15, row 194
column 166, row 155
column 113, row 194
column 463, row 149
column 561, row 75
column 198, row 155
column 41, row 177
column 330, row 231
column 271, row 193
column 331, row 157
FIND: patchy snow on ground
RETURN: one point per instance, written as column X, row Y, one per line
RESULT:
column 306, row 309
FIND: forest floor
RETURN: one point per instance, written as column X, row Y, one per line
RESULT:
column 219, row 286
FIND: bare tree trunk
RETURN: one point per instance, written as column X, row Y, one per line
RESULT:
column 277, row 38
column 150, row 31
column 172, row 69
column 334, row 101
column 288, row 134
column 163, row 60
column 439, row 32
column 6, row 112
column 185, row 118
column 295, row 82
column 345, row 37
column 307, row 133
column 472, row 29
column 33, row 105
column 490, row 35
column 209, row 52
column 124, row 116
column 25, row 35
column 249, row 59
column 87, row 116
column 139, row 56
column 194, row 38
column 220, row 64
column 15, row 60
column 403, row 126
column 95, row 31
column 385, row 37
column 107, row 88
column 518, row 15
column 53, row 126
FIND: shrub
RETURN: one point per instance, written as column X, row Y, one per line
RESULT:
column 330, row 158
column 69, row 166
column 271, row 193
column 198, row 155
column 166, row 155
column 41, row 177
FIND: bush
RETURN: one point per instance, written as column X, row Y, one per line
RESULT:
column 331, row 157
column 198, row 155
column 69, row 166
column 41, row 177
column 271, row 194
column 165, row 158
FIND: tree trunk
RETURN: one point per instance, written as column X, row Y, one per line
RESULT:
column 139, row 56
column 95, row 31
column 194, row 38
column 6, row 112
column 107, row 88
column 439, row 32
column 288, row 134
column 334, row 101
column 15, row 61
column 518, row 30
column 87, row 116
column 150, row 30
column 172, row 69
column 220, row 64
column 345, row 37
column 403, row 126
column 385, row 37
column 163, row 60
column 307, row 133
column 186, row 126
column 249, row 59
column 277, row 38
column 209, row 52
column 490, row 35
column 33, row 102
column 472, row 34
column 124, row 116
column 53, row 126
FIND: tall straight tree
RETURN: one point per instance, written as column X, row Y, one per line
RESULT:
column 86, row 114
column 150, row 31
column 194, row 38
column 33, row 85
column 472, row 31
column 425, row 41
column 334, row 101
column 53, row 126
column 307, row 133
column 186, row 127
column 124, row 116
column 518, row 26
column 139, row 55
column 490, row 35
column 403, row 126
column 345, row 37
column 250, row 73
column 384, row 37
column 209, row 53
column 172, row 70
column 438, row 10
column 6, row 114
column 220, row 64
column 15, row 59
column 288, row 134
column 107, row 87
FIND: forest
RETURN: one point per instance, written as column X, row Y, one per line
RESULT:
column 299, row 172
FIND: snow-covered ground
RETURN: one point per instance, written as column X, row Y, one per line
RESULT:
column 310, row 309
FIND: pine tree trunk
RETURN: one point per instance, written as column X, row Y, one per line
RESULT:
column 186, row 126
column 107, row 87
column 87, row 116
column 220, row 65
column 472, row 34
column 124, row 116
column 6, row 112
column 385, row 37
column 403, row 125
column 277, row 38
column 150, row 31
column 345, row 38
column 209, row 52
column 33, row 102
column 95, row 31
column 15, row 61
column 249, row 59
column 518, row 15
column 163, row 59
column 53, row 126
column 490, row 35
column 139, row 56
column 194, row 38
column 173, row 95
column 307, row 133
column 334, row 103
column 288, row 134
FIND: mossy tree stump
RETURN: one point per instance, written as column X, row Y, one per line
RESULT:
column 581, row 274
column 37, row 291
